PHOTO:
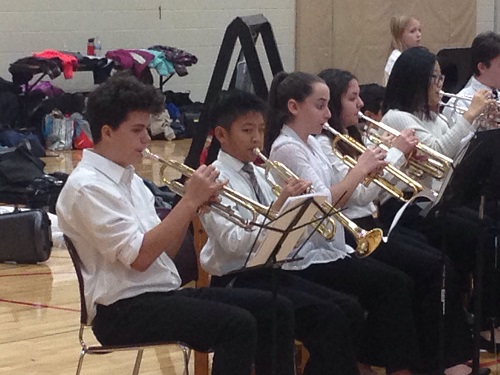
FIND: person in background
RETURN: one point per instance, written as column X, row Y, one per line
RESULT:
column 406, row 32
column 485, row 58
column 372, row 95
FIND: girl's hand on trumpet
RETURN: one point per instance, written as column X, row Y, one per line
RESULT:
column 203, row 188
column 371, row 161
column 291, row 188
column 479, row 102
column 405, row 142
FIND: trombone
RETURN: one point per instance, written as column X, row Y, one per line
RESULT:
column 253, row 207
column 366, row 241
column 435, row 164
column 376, row 179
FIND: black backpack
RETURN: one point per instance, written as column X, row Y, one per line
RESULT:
column 23, row 181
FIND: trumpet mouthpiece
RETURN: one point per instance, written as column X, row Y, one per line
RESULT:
column 256, row 151
column 148, row 154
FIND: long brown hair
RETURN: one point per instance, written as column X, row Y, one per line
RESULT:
column 337, row 81
column 286, row 86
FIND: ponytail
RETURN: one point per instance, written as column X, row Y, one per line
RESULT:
column 277, row 115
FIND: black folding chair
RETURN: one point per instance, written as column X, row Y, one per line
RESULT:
column 105, row 349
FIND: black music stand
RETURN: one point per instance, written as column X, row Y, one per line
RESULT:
column 476, row 182
column 286, row 230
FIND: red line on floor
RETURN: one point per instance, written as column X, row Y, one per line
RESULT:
column 38, row 305
column 488, row 364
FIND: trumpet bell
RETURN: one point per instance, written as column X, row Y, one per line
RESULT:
column 368, row 242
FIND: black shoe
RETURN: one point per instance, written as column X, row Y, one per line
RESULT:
column 484, row 371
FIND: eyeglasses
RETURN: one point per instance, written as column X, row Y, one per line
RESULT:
column 438, row 79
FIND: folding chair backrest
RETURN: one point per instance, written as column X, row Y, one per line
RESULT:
column 77, row 263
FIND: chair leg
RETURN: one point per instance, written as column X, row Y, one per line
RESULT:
column 80, row 361
column 138, row 360
column 301, row 358
column 187, row 356
column 200, row 363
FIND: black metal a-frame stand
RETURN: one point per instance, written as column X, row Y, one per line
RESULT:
column 247, row 30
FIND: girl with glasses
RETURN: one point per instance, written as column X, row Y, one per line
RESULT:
column 412, row 101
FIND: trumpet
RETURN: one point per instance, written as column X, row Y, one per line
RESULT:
column 253, row 207
column 490, row 118
column 435, row 164
column 460, row 110
column 380, row 181
column 366, row 241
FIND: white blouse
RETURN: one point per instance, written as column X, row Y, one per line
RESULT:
column 434, row 133
column 360, row 204
column 308, row 161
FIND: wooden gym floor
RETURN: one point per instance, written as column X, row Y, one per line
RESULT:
column 39, row 305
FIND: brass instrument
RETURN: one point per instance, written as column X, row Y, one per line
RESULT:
column 380, row 181
column 434, row 164
column 366, row 241
column 489, row 119
column 253, row 207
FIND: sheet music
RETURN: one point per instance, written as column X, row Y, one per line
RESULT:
column 287, row 214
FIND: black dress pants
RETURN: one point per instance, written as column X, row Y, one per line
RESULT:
column 326, row 322
column 462, row 232
column 388, row 338
column 408, row 252
column 236, row 324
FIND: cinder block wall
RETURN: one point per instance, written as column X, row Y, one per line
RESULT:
column 194, row 25
column 487, row 15
column 197, row 26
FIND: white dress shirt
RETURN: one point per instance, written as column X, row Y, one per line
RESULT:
column 308, row 161
column 390, row 64
column 470, row 89
column 360, row 204
column 228, row 244
column 106, row 209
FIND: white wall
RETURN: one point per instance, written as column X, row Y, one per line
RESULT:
column 488, row 15
column 196, row 26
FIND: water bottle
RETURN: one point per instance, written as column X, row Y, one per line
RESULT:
column 97, row 46
column 90, row 47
